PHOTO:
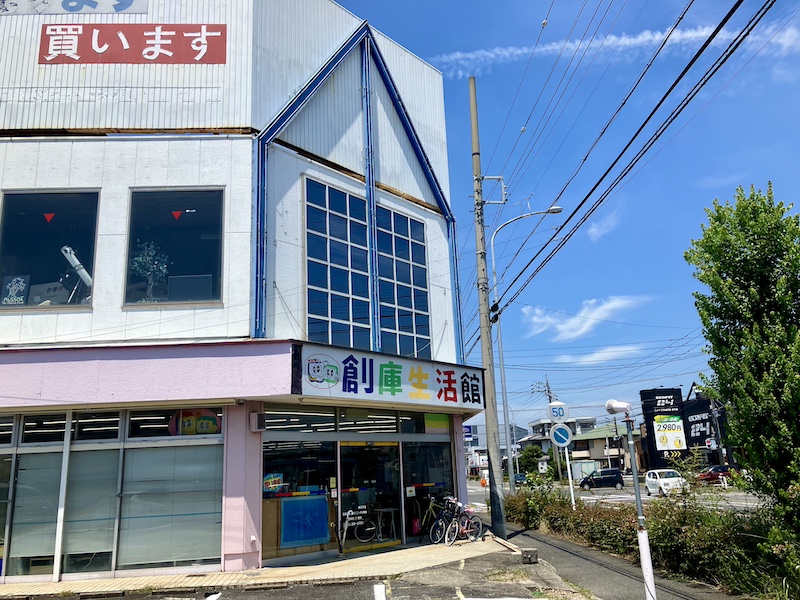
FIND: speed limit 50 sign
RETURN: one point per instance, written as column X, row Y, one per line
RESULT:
column 559, row 412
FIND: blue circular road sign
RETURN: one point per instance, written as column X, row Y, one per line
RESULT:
column 561, row 435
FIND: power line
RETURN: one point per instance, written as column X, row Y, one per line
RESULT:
column 665, row 124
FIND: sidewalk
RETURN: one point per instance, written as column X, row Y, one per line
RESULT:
column 386, row 564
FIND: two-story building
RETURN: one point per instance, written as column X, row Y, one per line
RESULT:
column 229, row 313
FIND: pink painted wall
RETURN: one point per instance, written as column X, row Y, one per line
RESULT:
column 118, row 375
column 241, row 494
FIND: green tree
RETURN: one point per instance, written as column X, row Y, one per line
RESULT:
column 529, row 459
column 749, row 259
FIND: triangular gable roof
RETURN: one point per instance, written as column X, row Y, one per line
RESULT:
column 290, row 111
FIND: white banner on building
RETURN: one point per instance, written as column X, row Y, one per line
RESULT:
column 70, row 7
column 357, row 375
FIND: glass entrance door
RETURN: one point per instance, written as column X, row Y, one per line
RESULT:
column 370, row 493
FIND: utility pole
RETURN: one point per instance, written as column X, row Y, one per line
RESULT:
column 492, row 426
column 556, row 450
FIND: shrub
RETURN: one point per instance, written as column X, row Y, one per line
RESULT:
column 526, row 507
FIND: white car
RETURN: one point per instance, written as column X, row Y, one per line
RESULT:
column 663, row 482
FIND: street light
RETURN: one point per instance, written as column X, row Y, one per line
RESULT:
column 614, row 407
column 553, row 210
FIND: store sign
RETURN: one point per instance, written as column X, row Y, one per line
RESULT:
column 132, row 43
column 467, row 433
column 669, row 432
column 357, row 375
column 662, row 409
column 10, row 8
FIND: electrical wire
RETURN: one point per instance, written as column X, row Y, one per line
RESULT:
column 733, row 46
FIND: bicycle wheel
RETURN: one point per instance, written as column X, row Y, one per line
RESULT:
column 437, row 531
column 474, row 528
column 452, row 533
column 366, row 531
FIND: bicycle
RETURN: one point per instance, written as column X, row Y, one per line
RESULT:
column 371, row 526
column 465, row 525
column 430, row 516
column 446, row 513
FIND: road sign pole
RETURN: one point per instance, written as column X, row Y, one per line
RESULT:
column 569, row 476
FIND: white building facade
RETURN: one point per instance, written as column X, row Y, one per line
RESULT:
column 229, row 320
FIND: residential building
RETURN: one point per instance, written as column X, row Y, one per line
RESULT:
column 540, row 435
column 605, row 445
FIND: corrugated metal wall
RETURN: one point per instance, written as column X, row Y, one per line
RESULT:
column 292, row 40
column 274, row 48
column 127, row 96
column 422, row 90
column 396, row 165
column 331, row 125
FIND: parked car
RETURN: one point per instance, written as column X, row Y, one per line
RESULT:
column 713, row 473
column 663, row 482
column 602, row 478
column 520, row 478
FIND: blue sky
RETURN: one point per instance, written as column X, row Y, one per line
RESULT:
column 612, row 312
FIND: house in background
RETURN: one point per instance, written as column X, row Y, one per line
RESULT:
column 229, row 295
column 540, row 435
column 605, row 446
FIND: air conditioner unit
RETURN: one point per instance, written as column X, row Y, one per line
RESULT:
column 258, row 421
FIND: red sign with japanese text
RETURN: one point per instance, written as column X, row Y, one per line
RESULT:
column 127, row 43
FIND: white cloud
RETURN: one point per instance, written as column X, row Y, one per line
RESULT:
column 463, row 64
column 571, row 327
column 605, row 355
column 603, row 226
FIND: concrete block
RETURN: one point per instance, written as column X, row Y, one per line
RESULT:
column 530, row 556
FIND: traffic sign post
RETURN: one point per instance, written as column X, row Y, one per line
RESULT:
column 561, row 436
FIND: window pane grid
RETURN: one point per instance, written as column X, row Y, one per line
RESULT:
column 339, row 294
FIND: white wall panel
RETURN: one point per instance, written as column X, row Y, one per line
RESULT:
column 128, row 96
column 129, row 162
column 422, row 89
column 396, row 163
column 331, row 124
column 286, row 311
column 292, row 40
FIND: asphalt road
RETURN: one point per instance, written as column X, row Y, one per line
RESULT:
column 716, row 496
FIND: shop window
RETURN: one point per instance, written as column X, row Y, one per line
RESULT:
column 47, row 246
column 6, row 430
column 299, row 420
column 371, row 490
column 366, row 421
column 168, row 423
column 298, row 477
column 6, row 471
column 428, row 469
column 172, row 495
column 91, row 509
column 33, row 525
column 95, row 426
column 43, row 428
column 337, row 270
column 175, row 246
column 302, row 467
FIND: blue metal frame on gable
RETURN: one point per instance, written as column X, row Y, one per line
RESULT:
column 369, row 170
column 363, row 37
